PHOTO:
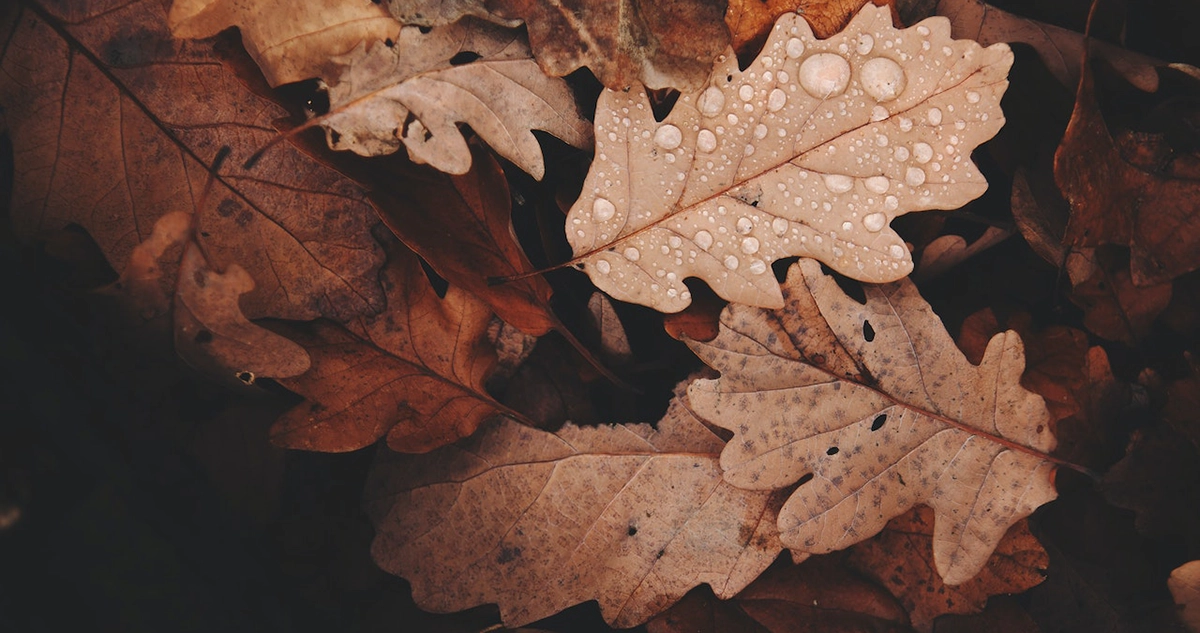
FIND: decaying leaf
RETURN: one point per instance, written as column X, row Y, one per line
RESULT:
column 416, row 89
column 658, row 44
column 631, row 516
column 1115, row 308
column 614, row 343
column 810, row 151
column 1184, row 584
column 877, row 403
column 818, row 595
column 750, row 21
column 290, row 41
column 948, row 251
column 1060, row 49
column 110, row 132
column 1116, row 202
column 899, row 558
column 414, row 373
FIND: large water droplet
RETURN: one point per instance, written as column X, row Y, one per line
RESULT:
column 703, row 239
column 915, row 176
column 824, row 75
column 706, row 141
column 603, row 266
column 760, row 131
column 750, row 245
column 711, row 101
column 874, row 222
column 675, row 241
column 922, row 152
column 901, row 153
column 758, row 267
column 865, row 44
column 746, row 92
column 603, row 210
column 879, row 113
column 882, row 78
column 838, row 183
column 935, row 116
column 877, row 184
column 776, row 100
column 668, row 137
column 905, row 124
column 779, row 226
column 898, row 251
column 744, row 226
column 795, row 48
column 731, row 262
column 972, row 97
column 890, row 203
column 632, row 254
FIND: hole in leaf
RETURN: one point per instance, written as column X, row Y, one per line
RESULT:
column 805, row 479
column 203, row 336
column 464, row 57
column 868, row 331
column 334, row 137
column 425, row 29
column 833, row 450
column 632, row 530
column 389, row 43
column 246, row 377
column 878, row 423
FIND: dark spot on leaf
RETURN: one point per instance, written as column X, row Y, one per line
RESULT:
column 226, row 208
column 878, row 423
column 203, row 336
column 805, row 479
column 632, row 530
column 464, row 57
column 1040, row 428
column 389, row 43
column 660, row 553
column 425, row 29
column 868, row 331
column 199, row 278
column 244, row 218
column 508, row 554
column 901, row 478
column 818, row 359
column 833, row 450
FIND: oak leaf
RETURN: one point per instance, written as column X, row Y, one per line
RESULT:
column 414, row 90
column 899, row 558
column 1184, row 584
column 658, row 44
column 110, row 132
column 879, row 406
column 414, row 373
column 290, row 41
column 750, row 21
column 809, row 151
column 535, row 522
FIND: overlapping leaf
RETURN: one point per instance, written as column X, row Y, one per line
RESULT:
column 810, row 151
column 630, row 516
column 877, row 403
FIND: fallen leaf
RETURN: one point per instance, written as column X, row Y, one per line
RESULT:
column 899, row 559
column 111, row 131
column 658, row 44
column 289, row 41
column 1060, row 49
column 877, row 407
column 1184, row 584
column 212, row 333
column 414, row 373
column 614, row 343
column 416, row 89
column 147, row 285
column 1159, row 479
column 700, row 321
column 630, row 516
column 1114, row 306
column 787, row 158
column 1183, row 405
column 948, row 251
column 820, row 594
column 1040, row 216
column 750, row 21
column 1115, row 202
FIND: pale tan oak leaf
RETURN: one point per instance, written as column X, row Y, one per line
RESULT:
column 880, row 407
column 415, row 90
column 812, row 150
column 628, row 515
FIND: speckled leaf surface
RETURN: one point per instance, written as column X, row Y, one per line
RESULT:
column 810, row 151
column 877, row 403
column 630, row 516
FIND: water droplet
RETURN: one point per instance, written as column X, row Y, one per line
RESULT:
column 838, row 183
column 744, row 226
column 711, row 101
column 731, row 262
column 865, row 44
column 881, row 140
column 935, row 116
column 923, row 30
column 905, row 124
column 922, row 152
column 675, row 241
column 890, row 203
column 750, row 245
column 898, row 251
column 760, row 131
column 603, row 266
column 603, row 210
column 776, row 100
column 746, row 92
column 824, row 75
column 779, row 225
column 972, row 97
column 668, row 137
column 703, row 239
column 706, row 141
column 882, row 78
column 874, row 222
column 879, row 113
column 633, row 254
column 758, row 267
column 877, row 184
column 901, row 153
column 915, row 176
column 795, row 48
column 847, row 226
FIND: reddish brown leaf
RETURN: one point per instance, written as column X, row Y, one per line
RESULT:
column 901, row 557
column 749, row 21
column 1115, row 202
column 414, row 373
column 112, row 124
column 1159, row 479
column 1115, row 307
column 701, row 320
column 818, row 595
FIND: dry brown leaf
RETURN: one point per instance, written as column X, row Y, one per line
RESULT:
column 1184, row 584
column 658, row 44
column 414, row 372
column 147, row 285
column 1115, row 308
column 212, row 333
column 414, row 91
column 948, row 251
column 631, row 516
column 810, row 151
column 290, row 41
column 111, row 131
column 820, row 595
column 877, row 403
column 750, row 21
column 614, row 343
column 899, row 558
column 1060, row 49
